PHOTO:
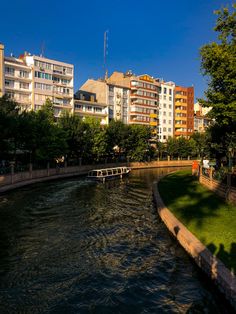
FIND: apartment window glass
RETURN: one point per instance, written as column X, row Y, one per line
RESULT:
column 43, row 75
column 165, row 90
column 10, row 71
column 42, row 86
column 170, row 106
column 24, row 74
column 9, row 83
column 10, row 95
column 111, row 89
column 170, row 91
column 24, row 85
column 169, row 129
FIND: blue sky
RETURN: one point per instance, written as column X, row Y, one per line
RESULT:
column 161, row 38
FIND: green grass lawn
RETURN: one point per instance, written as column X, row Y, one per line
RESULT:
column 207, row 216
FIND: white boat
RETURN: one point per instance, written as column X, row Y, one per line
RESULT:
column 108, row 173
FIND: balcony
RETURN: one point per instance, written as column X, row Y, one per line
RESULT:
column 153, row 123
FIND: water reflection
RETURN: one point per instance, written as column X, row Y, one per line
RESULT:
column 79, row 247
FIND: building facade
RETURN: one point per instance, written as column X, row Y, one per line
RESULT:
column 31, row 79
column 114, row 95
column 86, row 105
column 166, row 111
column 184, row 111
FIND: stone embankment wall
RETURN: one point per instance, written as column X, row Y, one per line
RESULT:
column 15, row 180
column 213, row 267
column 225, row 191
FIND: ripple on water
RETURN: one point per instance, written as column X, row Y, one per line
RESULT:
column 79, row 247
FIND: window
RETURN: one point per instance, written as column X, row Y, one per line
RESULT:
column 170, row 121
column 9, row 83
column 111, row 89
column 24, row 74
column 170, row 114
column 170, row 98
column 164, row 129
column 164, row 106
column 165, row 90
column 10, row 71
column 97, row 109
column 89, row 108
column 169, row 129
column 170, row 92
column 42, row 86
column 164, row 113
column 10, row 94
column 170, row 106
column 164, row 121
column 43, row 75
column 24, row 85
column 37, row 107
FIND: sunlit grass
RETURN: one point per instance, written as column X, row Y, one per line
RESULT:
column 208, row 217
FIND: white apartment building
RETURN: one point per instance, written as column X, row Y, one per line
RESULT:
column 18, row 82
column 31, row 79
column 166, row 111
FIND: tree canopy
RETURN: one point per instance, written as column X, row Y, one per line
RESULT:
column 218, row 63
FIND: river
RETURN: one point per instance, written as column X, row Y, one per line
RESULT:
column 74, row 246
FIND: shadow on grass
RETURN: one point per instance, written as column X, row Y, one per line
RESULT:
column 207, row 216
column 188, row 200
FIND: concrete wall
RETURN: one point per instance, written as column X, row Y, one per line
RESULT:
column 213, row 267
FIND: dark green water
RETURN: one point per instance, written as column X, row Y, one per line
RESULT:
column 79, row 247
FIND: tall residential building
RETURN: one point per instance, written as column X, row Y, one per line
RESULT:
column 31, row 79
column 86, row 105
column 114, row 95
column 166, row 111
column 144, row 97
column 184, row 111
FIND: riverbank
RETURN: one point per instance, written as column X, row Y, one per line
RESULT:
column 207, row 230
column 16, row 180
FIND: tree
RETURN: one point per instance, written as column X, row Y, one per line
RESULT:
column 200, row 144
column 97, row 137
column 137, row 142
column 117, row 133
column 171, row 146
column 218, row 63
column 9, row 112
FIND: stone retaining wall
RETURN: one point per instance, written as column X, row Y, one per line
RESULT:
column 213, row 267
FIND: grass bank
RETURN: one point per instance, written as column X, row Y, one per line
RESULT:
column 208, row 217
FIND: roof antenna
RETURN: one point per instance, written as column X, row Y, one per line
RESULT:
column 42, row 49
column 105, row 53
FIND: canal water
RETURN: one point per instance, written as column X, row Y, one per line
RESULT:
column 75, row 246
